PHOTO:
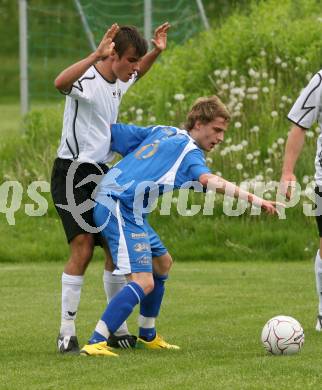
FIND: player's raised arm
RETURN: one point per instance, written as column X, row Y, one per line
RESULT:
column 160, row 43
column 68, row 76
column 218, row 184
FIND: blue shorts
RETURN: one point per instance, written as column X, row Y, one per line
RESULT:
column 132, row 246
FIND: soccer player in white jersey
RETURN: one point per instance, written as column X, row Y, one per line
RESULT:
column 306, row 111
column 93, row 87
column 156, row 160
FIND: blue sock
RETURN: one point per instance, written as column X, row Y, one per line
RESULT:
column 119, row 308
column 150, row 306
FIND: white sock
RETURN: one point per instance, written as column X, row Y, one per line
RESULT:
column 101, row 328
column 146, row 322
column 70, row 297
column 318, row 277
column 112, row 285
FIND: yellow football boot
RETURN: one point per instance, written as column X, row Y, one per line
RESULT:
column 156, row 343
column 97, row 349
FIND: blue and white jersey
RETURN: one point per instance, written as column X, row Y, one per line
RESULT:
column 156, row 160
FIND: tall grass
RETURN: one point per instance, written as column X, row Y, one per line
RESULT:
column 257, row 64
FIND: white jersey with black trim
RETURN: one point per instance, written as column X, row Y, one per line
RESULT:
column 91, row 107
column 306, row 111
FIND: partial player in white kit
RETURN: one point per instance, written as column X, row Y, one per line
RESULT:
column 93, row 87
column 306, row 111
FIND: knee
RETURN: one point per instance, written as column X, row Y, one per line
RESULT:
column 146, row 282
column 163, row 265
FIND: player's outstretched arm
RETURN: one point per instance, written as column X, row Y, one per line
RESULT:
column 218, row 184
column 68, row 76
column 160, row 43
column 293, row 148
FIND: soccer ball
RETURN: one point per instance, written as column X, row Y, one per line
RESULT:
column 282, row 335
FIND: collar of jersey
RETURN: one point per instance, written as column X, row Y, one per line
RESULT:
column 108, row 81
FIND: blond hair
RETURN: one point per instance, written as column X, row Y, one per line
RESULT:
column 205, row 110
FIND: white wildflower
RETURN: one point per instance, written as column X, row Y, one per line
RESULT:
column 249, row 156
column 309, row 134
column 263, row 53
column 308, row 76
column 139, row 118
column 274, row 114
column 168, row 104
column 284, row 98
column 254, row 129
column 280, row 141
column 244, row 142
column 284, row 65
column 255, row 161
column 209, row 160
column 152, row 119
column 233, row 72
column 265, row 89
column 179, row 97
column 305, row 179
column 272, row 81
column 218, row 173
column 239, row 167
column 281, row 105
column 277, row 60
column 267, row 161
column 269, row 171
column 264, row 75
column 139, row 111
column 238, row 125
column 257, row 153
column 217, row 72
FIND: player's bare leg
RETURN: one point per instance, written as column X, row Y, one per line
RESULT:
column 81, row 252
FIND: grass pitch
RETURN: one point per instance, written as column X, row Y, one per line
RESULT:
column 214, row 311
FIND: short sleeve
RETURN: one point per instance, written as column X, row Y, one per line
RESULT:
column 308, row 105
column 82, row 88
column 126, row 138
column 193, row 166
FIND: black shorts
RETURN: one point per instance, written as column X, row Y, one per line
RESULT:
column 80, row 194
column 318, row 209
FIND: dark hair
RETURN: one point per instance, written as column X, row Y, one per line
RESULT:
column 129, row 36
column 205, row 110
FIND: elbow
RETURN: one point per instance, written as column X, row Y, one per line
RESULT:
column 203, row 179
column 57, row 83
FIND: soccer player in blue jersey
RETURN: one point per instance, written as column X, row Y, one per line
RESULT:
column 156, row 160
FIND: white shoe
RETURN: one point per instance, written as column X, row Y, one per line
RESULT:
column 318, row 326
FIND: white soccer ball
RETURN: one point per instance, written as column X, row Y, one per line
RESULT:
column 282, row 335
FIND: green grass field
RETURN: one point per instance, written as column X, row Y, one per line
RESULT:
column 214, row 311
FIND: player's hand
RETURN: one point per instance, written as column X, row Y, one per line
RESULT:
column 160, row 36
column 287, row 184
column 106, row 47
column 271, row 207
